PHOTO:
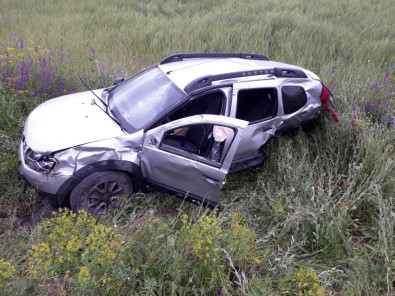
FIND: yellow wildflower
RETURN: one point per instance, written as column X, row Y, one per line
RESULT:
column 7, row 271
column 84, row 276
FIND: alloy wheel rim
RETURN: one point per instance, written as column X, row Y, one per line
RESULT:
column 102, row 195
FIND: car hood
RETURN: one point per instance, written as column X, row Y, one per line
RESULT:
column 68, row 121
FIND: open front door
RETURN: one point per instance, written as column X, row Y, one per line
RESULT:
column 191, row 156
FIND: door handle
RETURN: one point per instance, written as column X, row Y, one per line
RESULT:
column 212, row 181
column 267, row 129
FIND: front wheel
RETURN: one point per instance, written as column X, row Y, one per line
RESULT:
column 97, row 191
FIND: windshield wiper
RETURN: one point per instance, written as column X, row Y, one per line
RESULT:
column 88, row 88
column 106, row 110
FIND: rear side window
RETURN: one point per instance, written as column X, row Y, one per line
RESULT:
column 256, row 104
column 294, row 98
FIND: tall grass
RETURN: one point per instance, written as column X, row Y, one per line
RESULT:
column 320, row 209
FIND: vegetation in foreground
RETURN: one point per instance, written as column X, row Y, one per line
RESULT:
column 316, row 219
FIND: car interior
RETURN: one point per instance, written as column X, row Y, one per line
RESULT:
column 196, row 138
column 256, row 104
column 210, row 103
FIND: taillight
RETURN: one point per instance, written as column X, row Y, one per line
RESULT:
column 326, row 102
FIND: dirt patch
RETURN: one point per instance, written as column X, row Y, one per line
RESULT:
column 34, row 215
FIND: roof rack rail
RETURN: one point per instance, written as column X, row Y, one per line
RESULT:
column 208, row 80
column 241, row 55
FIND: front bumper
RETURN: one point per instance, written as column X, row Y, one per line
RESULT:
column 48, row 183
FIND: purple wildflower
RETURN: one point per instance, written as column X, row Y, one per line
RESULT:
column 391, row 122
column 44, row 87
column 31, row 61
column 48, row 77
column 43, row 62
column 7, row 54
column 21, row 43
column 341, row 54
column 62, row 87
column 20, row 84
column 386, row 79
column 376, row 86
column 7, row 73
column 36, row 48
column 23, row 72
column 368, row 108
column 92, row 50
column 333, row 70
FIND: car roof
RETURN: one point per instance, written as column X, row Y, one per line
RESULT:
column 187, row 70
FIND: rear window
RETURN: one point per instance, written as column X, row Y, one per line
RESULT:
column 294, row 98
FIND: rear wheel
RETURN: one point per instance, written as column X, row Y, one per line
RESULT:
column 97, row 191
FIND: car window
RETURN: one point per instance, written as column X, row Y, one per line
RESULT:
column 256, row 104
column 294, row 98
column 209, row 103
column 202, row 142
column 143, row 97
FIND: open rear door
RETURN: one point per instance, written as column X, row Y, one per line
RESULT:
column 191, row 156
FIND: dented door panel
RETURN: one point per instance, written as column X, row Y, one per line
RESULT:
column 255, row 135
column 258, row 133
column 187, row 173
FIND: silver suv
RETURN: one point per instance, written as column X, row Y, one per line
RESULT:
column 179, row 127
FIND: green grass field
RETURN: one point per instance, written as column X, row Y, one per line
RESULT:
column 316, row 219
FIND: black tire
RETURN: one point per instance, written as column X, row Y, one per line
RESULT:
column 97, row 191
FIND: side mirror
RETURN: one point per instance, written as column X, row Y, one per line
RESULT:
column 118, row 80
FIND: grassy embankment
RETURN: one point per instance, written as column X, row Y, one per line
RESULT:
column 319, row 213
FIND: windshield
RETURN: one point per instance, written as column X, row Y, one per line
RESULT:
column 140, row 99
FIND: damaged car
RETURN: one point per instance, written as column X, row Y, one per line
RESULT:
column 179, row 127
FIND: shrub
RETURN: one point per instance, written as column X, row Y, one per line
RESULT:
column 307, row 283
column 208, row 253
column 74, row 248
column 7, row 271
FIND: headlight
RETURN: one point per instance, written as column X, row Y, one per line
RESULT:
column 38, row 162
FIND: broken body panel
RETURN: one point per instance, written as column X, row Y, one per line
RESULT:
column 179, row 171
